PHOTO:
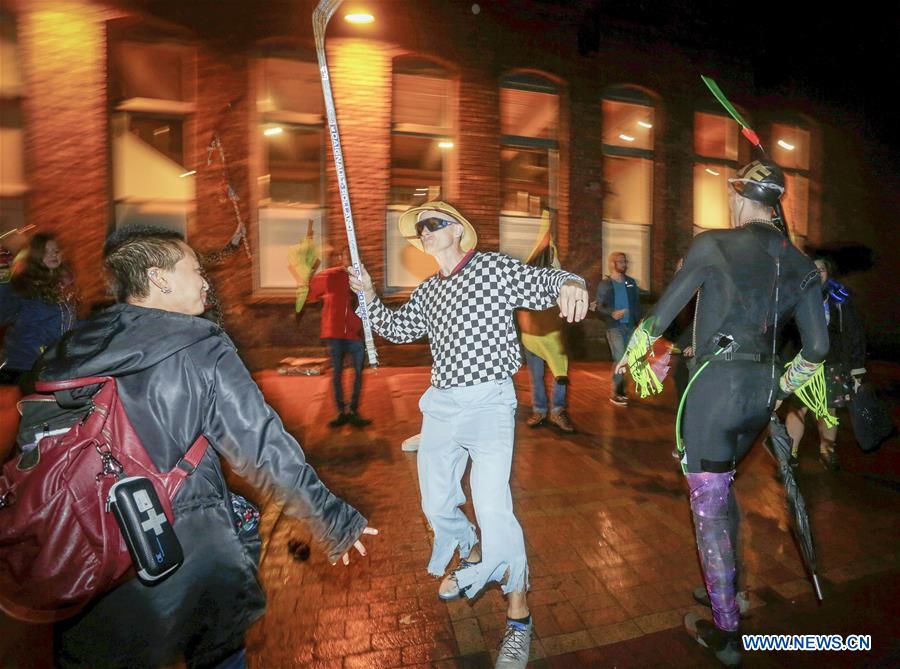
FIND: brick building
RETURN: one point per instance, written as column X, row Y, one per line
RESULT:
column 505, row 109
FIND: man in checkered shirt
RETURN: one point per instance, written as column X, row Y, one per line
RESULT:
column 466, row 310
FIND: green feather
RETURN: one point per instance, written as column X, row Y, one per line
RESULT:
column 720, row 96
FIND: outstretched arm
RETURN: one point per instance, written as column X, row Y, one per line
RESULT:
column 246, row 431
column 405, row 325
column 684, row 284
column 539, row 288
column 810, row 319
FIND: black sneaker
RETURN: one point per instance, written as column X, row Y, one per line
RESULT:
column 726, row 646
column 829, row 460
column 356, row 420
column 342, row 419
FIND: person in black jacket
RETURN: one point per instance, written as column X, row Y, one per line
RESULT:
column 750, row 282
column 844, row 365
column 180, row 376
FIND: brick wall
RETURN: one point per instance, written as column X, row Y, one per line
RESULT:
column 68, row 165
column 361, row 83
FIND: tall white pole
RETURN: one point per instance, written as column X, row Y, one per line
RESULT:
column 321, row 15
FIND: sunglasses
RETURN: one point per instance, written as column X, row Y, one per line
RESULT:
column 432, row 224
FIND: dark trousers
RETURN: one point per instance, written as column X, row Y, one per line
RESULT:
column 337, row 348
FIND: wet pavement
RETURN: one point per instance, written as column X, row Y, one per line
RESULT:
column 609, row 537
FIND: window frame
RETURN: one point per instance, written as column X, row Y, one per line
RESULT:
column 449, row 167
column 533, row 82
column 634, row 95
column 795, row 172
column 122, row 31
column 698, row 159
column 266, row 211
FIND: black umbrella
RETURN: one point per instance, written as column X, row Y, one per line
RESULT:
column 780, row 446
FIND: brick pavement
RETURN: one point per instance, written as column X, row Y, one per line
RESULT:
column 608, row 532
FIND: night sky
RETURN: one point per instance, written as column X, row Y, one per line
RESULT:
column 846, row 59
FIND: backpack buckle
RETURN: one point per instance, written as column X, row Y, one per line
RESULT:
column 109, row 466
column 7, row 499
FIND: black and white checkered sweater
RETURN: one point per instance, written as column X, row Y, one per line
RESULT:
column 468, row 317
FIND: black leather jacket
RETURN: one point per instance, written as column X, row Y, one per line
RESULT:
column 180, row 376
column 847, row 337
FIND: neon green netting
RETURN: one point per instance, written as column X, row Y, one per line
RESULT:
column 645, row 380
column 813, row 395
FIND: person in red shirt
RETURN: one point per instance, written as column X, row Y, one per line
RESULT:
column 341, row 331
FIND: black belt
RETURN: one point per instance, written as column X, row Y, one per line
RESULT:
column 729, row 356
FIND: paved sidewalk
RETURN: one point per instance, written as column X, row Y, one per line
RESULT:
column 609, row 537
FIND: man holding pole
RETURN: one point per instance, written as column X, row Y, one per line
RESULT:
column 466, row 310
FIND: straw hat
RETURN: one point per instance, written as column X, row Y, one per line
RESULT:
column 436, row 209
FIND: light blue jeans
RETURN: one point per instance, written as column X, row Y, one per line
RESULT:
column 475, row 422
column 536, row 366
column 618, row 337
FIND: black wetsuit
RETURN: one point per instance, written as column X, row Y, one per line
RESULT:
column 735, row 272
column 751, row 281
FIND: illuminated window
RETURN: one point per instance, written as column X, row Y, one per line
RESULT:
column 151, row 100
column 628, row 137
column 715, row 161
column 12, row 155
column 529, row 158
column 291, row 137
column 422, row 158
column 628, row 120
column 790, row 150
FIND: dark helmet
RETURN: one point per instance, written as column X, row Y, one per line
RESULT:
column 761, row 180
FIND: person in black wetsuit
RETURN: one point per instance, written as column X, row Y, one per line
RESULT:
column 749, row 282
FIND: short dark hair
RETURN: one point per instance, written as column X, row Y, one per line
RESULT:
column 132, row 250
